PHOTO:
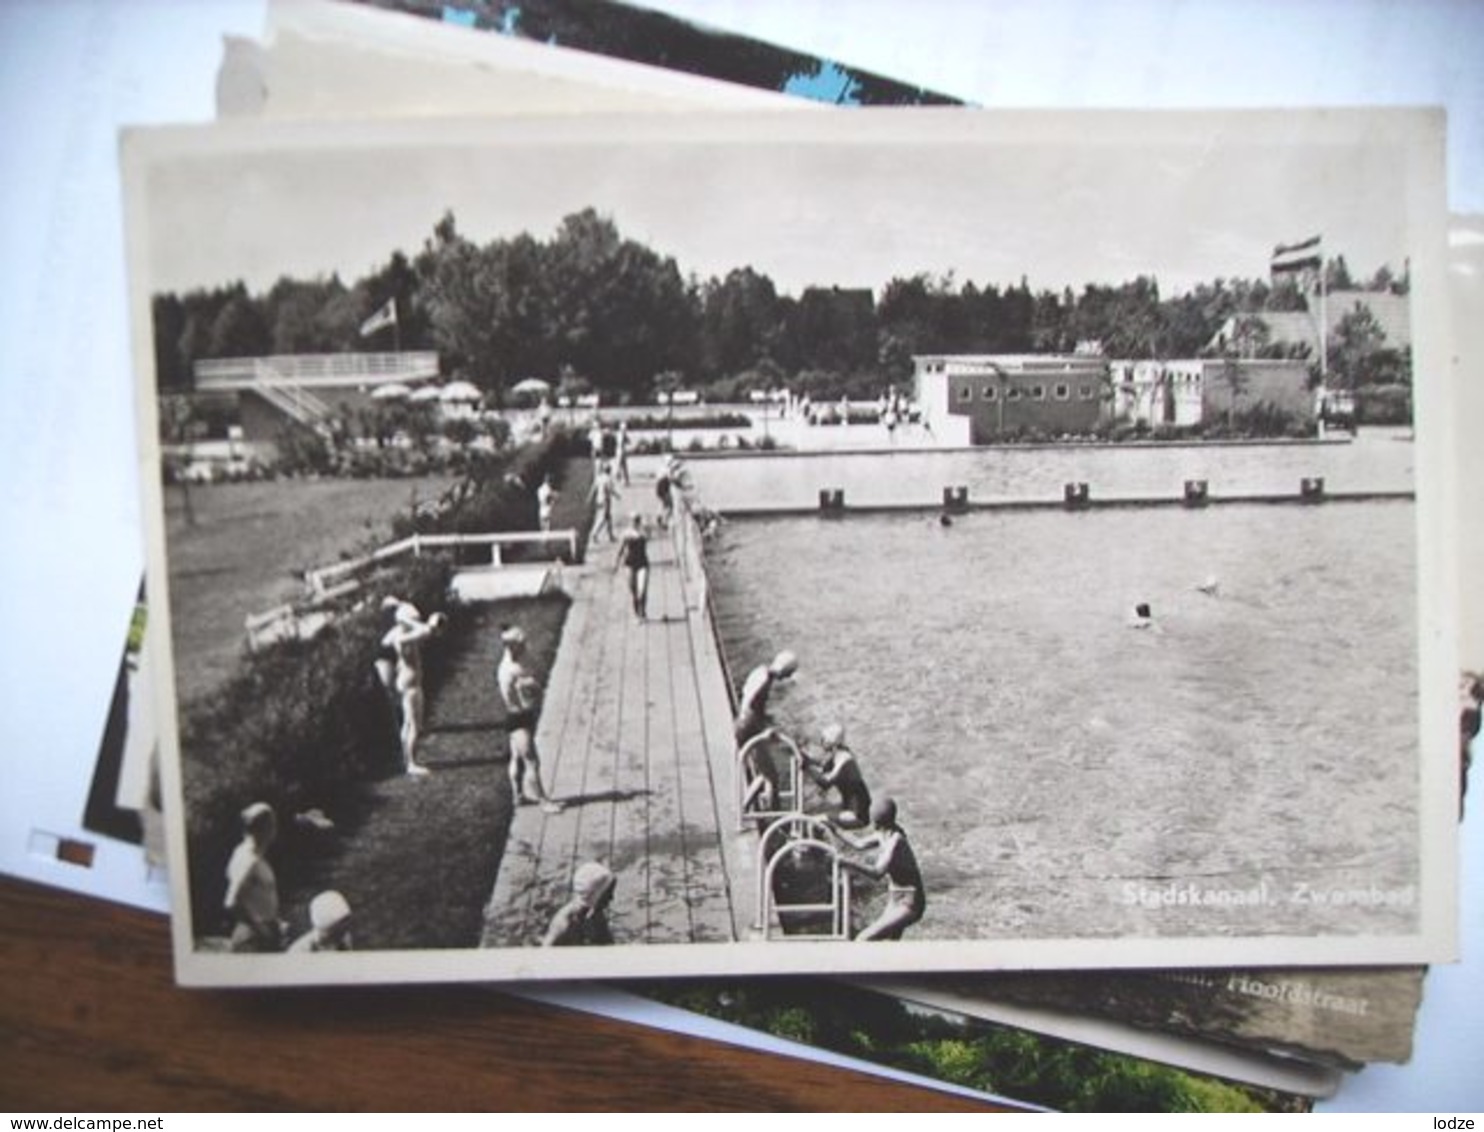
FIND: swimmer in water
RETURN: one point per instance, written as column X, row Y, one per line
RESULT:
column 1210, row 587
column 1142, row 617
column 841, row 771
column 896, row 863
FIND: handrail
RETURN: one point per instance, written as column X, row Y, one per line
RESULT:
column 839, row 905
column 327, row 369
column 793, row 824
column 790, row 792
column 317, row 579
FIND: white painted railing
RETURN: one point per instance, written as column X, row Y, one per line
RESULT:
column 316, row 369
column 320, row 580
column 304, row 619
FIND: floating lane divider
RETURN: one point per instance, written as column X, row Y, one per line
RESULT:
column 1078, row 496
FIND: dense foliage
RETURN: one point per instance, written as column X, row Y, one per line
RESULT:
column 963, row 1051
column 591, row 310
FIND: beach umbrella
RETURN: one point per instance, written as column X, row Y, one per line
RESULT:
column 531, row 385
column 460, row 391
column 426, row 393
column 390, row 390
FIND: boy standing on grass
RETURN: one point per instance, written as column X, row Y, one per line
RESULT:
column 521, row 692
column 405, row 640
column 545, row 502
column 252, row 887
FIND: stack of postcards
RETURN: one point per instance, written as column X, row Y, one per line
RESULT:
column 613, row 517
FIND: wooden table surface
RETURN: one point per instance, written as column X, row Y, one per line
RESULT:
column 90, row 1020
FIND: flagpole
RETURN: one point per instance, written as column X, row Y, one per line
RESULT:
column 1323, row 329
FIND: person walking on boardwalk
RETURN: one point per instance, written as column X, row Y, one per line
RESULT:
column 405, row 638
column 841, row 771
column 583, row 920
column 546, row 496
column 597, row 439
column 896, row 863
column 621, row 452
column 602, row 495
column 521, row 692
column 633, row 554
column 252, row 886
column 664, row 491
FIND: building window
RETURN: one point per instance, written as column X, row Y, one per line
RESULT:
column 965, row 393
column 1062, row 392
column 1087, row 392
column 989, row 392
column 1013, row 393
column 1038, row 393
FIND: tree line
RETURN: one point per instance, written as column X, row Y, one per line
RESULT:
column 595, row 311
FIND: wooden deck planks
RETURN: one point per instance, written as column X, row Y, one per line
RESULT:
column 634, row 733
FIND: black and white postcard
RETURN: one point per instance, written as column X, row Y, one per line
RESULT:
column 923, row 540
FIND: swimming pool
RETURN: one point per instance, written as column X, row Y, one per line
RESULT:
column 1064, row 775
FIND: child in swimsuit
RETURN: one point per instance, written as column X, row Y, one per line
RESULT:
column 633, row 553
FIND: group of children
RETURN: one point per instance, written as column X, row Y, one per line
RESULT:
column 252, row 895
column 251, row 901
column 836, row 769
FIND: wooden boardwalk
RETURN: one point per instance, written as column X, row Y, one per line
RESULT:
column 635, row 739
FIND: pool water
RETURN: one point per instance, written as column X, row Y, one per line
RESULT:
column 1064, row 775
column 1378, row 460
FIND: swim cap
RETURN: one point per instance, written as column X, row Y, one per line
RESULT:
column 513, row 636
column 883, row 812
column 785, row 664
column 591, row 882
column 832, row 735
column 327, row 910
column 257, row 815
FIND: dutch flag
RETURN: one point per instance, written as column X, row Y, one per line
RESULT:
column 1306, row 255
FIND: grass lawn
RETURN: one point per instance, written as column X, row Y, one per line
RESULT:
column 247, row 550
column 417, row 858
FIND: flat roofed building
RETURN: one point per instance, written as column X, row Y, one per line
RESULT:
column 982, row 398
column 1185, row 392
